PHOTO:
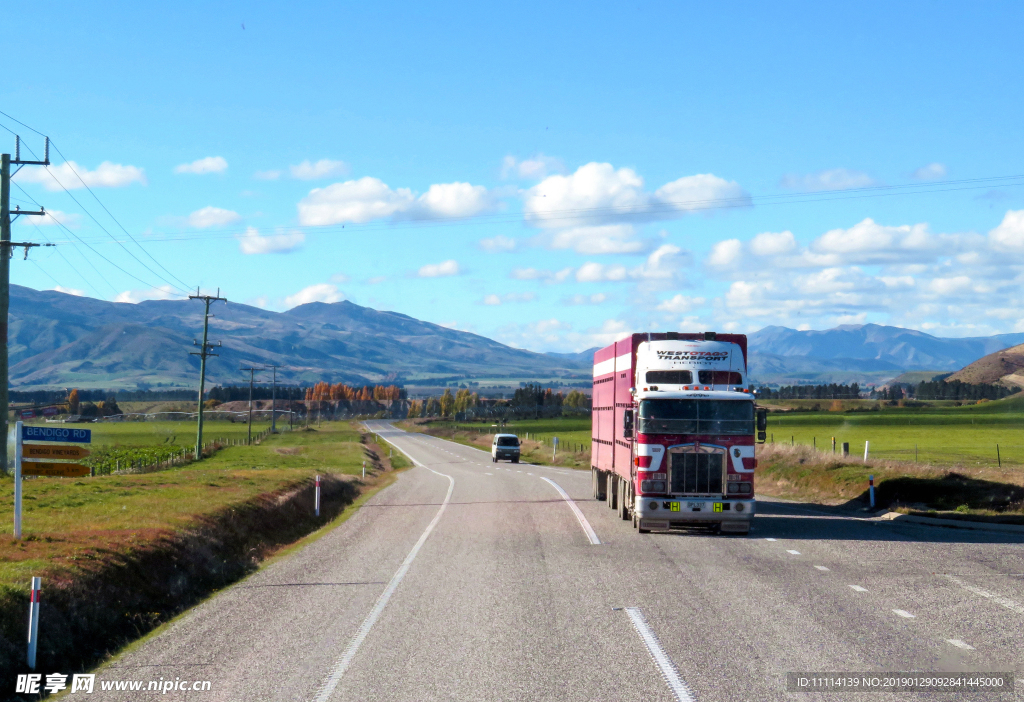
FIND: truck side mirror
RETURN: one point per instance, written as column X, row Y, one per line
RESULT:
column 627, row 424
column 762, row 419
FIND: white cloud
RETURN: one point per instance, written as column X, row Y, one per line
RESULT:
column 339, row 278
column 725, row 253
column 772, row 244
column 664, row 265
column 510, row 297
column 106, row 175
column 1009, row 235
column 324, row 168
column 595, row 299
column 252, row 242
column 604, row 239
column 321, row 292
column 377, row 280
column 533, row 168
column 266, row 175
column 69, row 291
column 498, row 243
column 832, row 179
column 210, row 164
column 367, row 199
column 163, row 292
column 212, row 217
column 599, row 272
column 933, row 171
column 680, row 304
column 439, row 270
column 55, row 217
column 599, row 194
column 539, row 274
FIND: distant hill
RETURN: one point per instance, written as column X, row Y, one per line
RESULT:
column 59, row 340
column 863, row 353
column 1005, row 367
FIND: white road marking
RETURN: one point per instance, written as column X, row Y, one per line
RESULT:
column 1009, row 604
column 960, row 644
column 488, row 473
column 821, row 567
column 904, row 613
column 337, row 671
column 579, row 515
column 858, row 588
column 771, row 539
column 795, row 553
column 529, row 473
column 668, row 669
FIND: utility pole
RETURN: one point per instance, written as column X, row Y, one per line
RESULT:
column 6, row 251
column 252, row 372
column 203, row 352
column 273, row 401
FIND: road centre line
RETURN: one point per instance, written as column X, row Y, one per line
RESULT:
column 858, row 588
column 668, row 669
column 795, row 553
column 337, row 671
column 904, row 613
column 589, row 530
column 1008, row 603
column 823, row 568
column 960, row 644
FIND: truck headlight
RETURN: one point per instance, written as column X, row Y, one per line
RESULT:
column 739, row 488
column 655, row 486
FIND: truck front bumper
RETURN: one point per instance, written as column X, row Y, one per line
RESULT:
column 665, row 513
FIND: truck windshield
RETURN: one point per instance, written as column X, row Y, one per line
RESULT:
column 508, row 441
column 696, row 417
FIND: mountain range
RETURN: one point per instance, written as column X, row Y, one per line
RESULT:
column 59, row 340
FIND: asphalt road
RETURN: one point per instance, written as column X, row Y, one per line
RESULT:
column 467, row 580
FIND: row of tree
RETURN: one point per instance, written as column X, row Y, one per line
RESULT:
column 447, row 405
column 325, row 392
column 957, row 390
column 832, row 391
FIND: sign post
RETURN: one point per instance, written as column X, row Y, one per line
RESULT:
column 17, row 480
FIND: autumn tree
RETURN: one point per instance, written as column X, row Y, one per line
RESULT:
column 447, row 403
column 73, row 401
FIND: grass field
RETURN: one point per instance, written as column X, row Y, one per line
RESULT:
column 946, row 436
column 69, row 521
column 181, row 434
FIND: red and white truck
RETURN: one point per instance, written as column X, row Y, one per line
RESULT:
column 674, row 428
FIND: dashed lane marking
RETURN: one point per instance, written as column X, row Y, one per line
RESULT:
column 795, row 553
column 821, row 568
column 858, row 588
column 668, row 669
column 960, row 644
column 771, row 539
column 589, row 530
column 1008, row 603
column 904, row 613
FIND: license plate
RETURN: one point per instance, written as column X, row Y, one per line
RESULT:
column 694, row 505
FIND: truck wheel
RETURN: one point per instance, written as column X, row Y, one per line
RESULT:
column 493, row 459
column 598, row 480
column 623, row 500
column 515, row 460
column 611, row 490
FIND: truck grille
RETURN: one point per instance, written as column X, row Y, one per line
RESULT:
column 697, row 473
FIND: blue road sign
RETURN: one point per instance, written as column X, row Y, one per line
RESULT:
column 75, row 436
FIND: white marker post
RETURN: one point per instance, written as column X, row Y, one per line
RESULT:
column 871, row 489
column 33, row 620
column 554, row 447
column 17, row 480
column 364, row 469
column 866, row 445
column 318, row 495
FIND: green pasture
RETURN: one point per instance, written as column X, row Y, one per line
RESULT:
column 180, row 434
column 939, row 435
column 571, row 431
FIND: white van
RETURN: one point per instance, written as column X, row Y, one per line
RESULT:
column 505, row 447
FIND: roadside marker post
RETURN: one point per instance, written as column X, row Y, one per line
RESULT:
column 554, row 447
column 871, row 489
column 866, row 445
column 33, row 620
column 364, row 469
column 318, row 495
column 833, row 444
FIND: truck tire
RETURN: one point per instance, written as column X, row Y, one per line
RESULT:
column 598, row 480
column 623, row 500
column 611, row 490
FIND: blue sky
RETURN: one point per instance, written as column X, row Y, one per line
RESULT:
column 550, row 175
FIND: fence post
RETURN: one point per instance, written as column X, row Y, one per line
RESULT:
column 833, row 444
column 999, row 459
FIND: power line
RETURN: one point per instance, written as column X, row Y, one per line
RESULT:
column 98, row 224
column 74, row 268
